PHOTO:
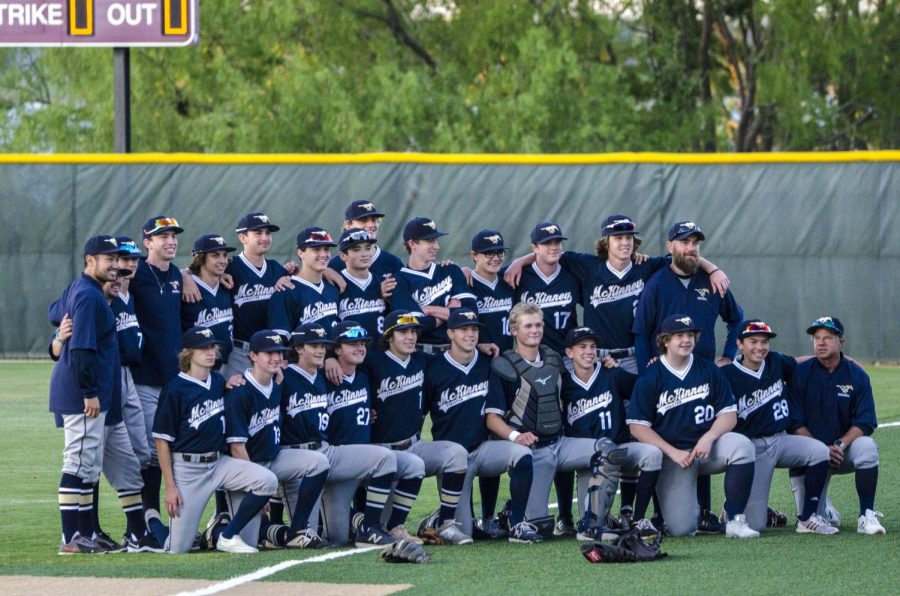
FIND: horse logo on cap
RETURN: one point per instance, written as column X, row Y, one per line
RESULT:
column 689, row 225
column 469, row 315
column 430, row 224
column 218, row 239
column 275, row 338
column 263, row 218
column 205, row 332
column 685, row 321
column 367, row 206
column 318, row 331
column 825, row 321
column 551, row 229
column 112, row 241
column 495, row 239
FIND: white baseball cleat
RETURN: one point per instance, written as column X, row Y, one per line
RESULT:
column 869, row 524
column 815, row 525
column 452, row 533
column 738, row 528
column 235, row 545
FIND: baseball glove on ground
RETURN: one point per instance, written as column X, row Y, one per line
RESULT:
column 430, row 535
column 404, row 551
column 628, row 548
column 775, row 518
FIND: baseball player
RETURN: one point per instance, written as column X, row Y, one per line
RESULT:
column 131, row 340
column 494, row 297
column 593, row 400
column 213, row 311
column 523, row 404
column 255, row 280
column 835, row 406
column 82, row 388
column 429, row 287
column 189, row 430
column 397, row 376
column 312, row 299
column 683, row 405
column 456, row 387
column 683, row 288
column 361, row 299
column 759, row 379
column 253, row 432
column 156, row 288
column 304, row 415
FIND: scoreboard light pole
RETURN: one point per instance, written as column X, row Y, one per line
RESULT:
column 122, row 93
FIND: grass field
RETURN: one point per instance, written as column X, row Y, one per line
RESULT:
column 780, row 562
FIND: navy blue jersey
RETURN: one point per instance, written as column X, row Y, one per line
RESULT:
column 251, row 292
column 131, row 339
column 610, row 297
column 213, row 312
column 666, row 295
column 762, row 395
column 556, row 296
column 680, row 407
column 157, row 303
column 361, row 301
column 304, row 403
column 455, row 396
column 349, row 413
column 191, row 414
column 382, row 262
column 494, row 301
column 93, row 329
column 828, row 404
column 396, row 395
column 596, row 409
column 252, row 416
column 304, row 303
column 434, row 286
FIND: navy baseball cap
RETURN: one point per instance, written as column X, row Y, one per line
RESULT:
column 209, row 243
column 756, row 327
column 314, row 236
column 255, row 221
column 160, row 224
column 678, row 324
column 361, row 209
column 349, row 331
column 462, row 317
column 199, row 337
column 353, row 236
column 267, row 340
column 103, row 244
column 685, row 229
column 579, row 333
column 545, row 232
column 130, row 246
column 310, row 334
column 833, row 324
column 401, row 319
column 488, row 241
column 421, row 228
column 618, row 225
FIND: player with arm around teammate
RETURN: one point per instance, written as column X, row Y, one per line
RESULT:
column 189, row 430
column 683, row 405
column 835, row 406
column 253, row 433
column 594, row 401
column 759, row 379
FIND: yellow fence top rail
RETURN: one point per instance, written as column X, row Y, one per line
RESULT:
column 449, row 158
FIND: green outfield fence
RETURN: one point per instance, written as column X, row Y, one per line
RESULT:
column 800, row 234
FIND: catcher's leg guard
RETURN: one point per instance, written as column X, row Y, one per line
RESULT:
column 606, row 466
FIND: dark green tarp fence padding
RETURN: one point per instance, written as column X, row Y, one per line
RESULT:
column 798, row 239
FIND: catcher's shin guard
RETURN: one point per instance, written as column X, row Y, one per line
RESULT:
column 606, row 466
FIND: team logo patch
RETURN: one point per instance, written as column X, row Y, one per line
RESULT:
column 704, row 292
column 319, row 332
column 685, row 321
column 825, row 321
column 175, row 285
column 275, row 338
column 495, row 239
column 205, row 332
column 551, row 229
column 430, row 224
column 689, row 225
column 218, row 239
column 112, row 241
column 844, row 390
column 367, row 206
column 469, row 315
column 263, row 218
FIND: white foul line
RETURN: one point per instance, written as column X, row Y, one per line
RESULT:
column 273, row 569
column 889, row 424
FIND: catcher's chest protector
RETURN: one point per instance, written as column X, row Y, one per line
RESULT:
column 536, row 407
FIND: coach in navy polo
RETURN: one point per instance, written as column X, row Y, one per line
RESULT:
column 82, row 388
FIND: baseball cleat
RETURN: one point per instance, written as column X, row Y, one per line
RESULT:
column 831, row 515
column 103, row 540
column 564, row 527
column 708, row 523
column 146, row 544
column 597, row 534
column 503, row 518
column 373, row 536
column 737, row 527
column 659, row 523
column 488, row 528
column 210, row 533
column 452, row 533
column 276, row 536
column 815, row 525
column 625, row 519
column 868, row 523
column 234, row 545
column 775, row 518
column 307, row 538
column 80, row 546
column 645, row 527
column 431, row 521
column 400, row 533
column 524, row 532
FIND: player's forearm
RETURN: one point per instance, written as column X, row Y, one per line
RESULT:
column 853, row 433
column 645, row 434
column 708, row 266
column 239, row 451
column 164, row 455
column 723, row 423
column 497, row 425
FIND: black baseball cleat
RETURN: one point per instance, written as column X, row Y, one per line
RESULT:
column 564, row 527
column 488, row 528
column 104, row 541
column 708, row 523
column 504, row 515
column 145, row 544
column 374, row 536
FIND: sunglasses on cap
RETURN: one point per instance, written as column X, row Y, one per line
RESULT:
column 163, row 222
column 355, row 333
column 360, row 235
column 756, row 328
column 403, row 320
column 621, row 225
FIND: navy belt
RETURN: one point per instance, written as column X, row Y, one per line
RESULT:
column 312, row 446
column 545, row 443
column 198, row 458
column 242, row 345
column 617, row 354
column 403, row 445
